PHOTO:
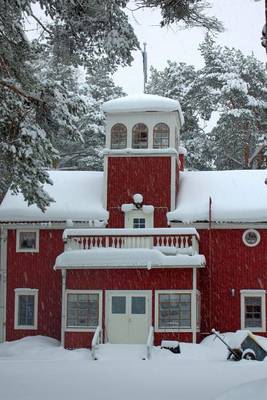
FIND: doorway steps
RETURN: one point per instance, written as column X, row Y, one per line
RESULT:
column 125, row 352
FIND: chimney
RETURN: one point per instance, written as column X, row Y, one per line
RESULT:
column 182, row 154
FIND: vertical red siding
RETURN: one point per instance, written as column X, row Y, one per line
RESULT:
column 35, row 271
column 230, row 265
column 150, row 176
column 126, row 279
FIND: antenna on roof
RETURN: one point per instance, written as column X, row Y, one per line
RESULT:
column 144, row 54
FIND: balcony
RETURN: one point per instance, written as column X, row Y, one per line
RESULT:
column 130, row 248
column 169, row 241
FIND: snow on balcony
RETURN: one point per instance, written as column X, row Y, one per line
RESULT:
column 122, row 248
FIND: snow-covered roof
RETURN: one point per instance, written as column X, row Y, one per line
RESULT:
column 142, row 103
column 236, row 196
column 77, row 195
column 125, row 258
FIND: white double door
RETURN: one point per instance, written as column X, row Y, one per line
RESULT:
column 128, row 316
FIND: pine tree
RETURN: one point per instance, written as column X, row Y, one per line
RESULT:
column 35, row 113
column 233, row 85
column 177, row 81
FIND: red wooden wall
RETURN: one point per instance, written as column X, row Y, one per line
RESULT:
column 35, row 271
column 126, row 279
column 150, row 176
column 230, row 265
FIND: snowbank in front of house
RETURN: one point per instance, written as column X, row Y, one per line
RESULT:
column 39, row 348
column 255, row 390
column 37, row 368
column 222, row 196
column 77, row 194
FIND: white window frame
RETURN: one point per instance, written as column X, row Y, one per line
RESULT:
column 19, row 249
column 155, row 132
column 172, row 291
column 258, row 236
column 131, row 215
column 26, row 292
column 112, row 132
column 79, row 328
column 253, row 293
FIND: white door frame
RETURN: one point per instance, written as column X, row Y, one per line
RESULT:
column 109, row 293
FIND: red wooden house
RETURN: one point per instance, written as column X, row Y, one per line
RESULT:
column 143, row 243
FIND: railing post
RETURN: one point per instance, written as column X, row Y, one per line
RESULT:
column 96, row 341
column 195, row 245
column 150, row 343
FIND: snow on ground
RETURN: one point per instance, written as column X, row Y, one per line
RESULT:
column 37, row 368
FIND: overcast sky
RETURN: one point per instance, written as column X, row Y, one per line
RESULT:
column 243, row 21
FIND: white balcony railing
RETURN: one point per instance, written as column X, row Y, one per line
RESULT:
column 150, row 343
column 97, row 339
column 183, row 240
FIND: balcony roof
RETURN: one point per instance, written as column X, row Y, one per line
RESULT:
column 104, row 258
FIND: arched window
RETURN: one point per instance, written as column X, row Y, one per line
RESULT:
column 140, row 136
column 118, row 136
column 161, row 136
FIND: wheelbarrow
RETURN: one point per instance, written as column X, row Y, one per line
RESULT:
column 244, row 346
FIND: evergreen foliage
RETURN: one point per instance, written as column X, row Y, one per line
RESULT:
column 234, row 85
column 231, row 84
column 177, row 81
column 40, row 106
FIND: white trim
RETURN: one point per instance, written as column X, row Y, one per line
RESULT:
column 141, row 152
column 20, row 250
column 77, row 291
column 220, row 225
column 194, row 306
column 129, row 216
column 173, row 183
column 49, row 225
column 109, row 293
column 26, row 292
column 63, row 306
column 105, row 183
column 253, row 293
column 3, row 268
column 258, row 237
column 172, row 291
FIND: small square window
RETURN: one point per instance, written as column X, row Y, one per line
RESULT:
column 139, row 223
column 138, row 305
column 118, row 304
column 26, row 308
column 27, row 241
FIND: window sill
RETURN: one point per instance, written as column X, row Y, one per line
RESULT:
column 175, row 330
column 27, row 250
column 251, row 329
column 80, row 329
column 26, row 327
